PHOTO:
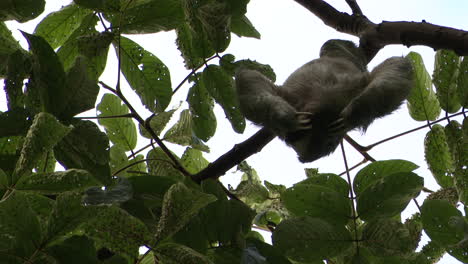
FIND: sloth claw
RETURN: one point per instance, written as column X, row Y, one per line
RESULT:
column 304, row 120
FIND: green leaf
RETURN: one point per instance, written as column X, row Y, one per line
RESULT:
column 87, row 148
column 120, row 130
column 70, row 49
column 461, row 170
column 376, row 171
column 18, row 69
column 95, row 47
column 462, row 82
column 49, row 77
column 438, row 218
column 221, row 87
column 269, row 252
column 389, row 196
column 180, row 205
column 160, row 164
column 437, row 154
column 21, row 10
column 58, row 26
column 20, row 232
column 14, row 122
column 317, row 201
column 193, row 161
column 194, row 46
column 100, row 5
column 146, row 74
column 201, row 108
column 157, row 123
column 176, row 253
column 80, row 247
column 117, row 230
column 387, row 237
column 445, row 77
column 119, row 193
column 328, row 180
column 181, row 133
column 307, row 239
column 243, row 27
column 42, row 136
column 82, row 90
column 57, row 182
column 152, row 16
column 422, row 101
column 8, row 44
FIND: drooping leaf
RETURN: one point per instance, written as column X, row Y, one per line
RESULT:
column 307, row 239
column 121, row 130
column 317, row 201
column 422, row 101
column 95, row 47
column 386, row 237
column 221, row 88
column 87, row 148
column 439, row 220
column 437, row 154
column 82, row 89
column 328, row 180
column 80, row 247
column 8, row 44
column 446, row 70
column 157, row 123
column 193, row 160
column 376, row 171
column 146, row 74
column 20, row 232
column 194, row 46
column 160, row 164
column 242, row 27
column 68, row 213
column 21, row 10
column 181, row 133
column 462, row 82
column 57, row 26
column 49, row 77
column 142, row 17
column 57, row 182
column 180, row 205
column 42, row 136
column 117, row 230
column 389, row 196
column 201, row 108
column 18, row 68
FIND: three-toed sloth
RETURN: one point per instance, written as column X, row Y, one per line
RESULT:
column 325, row 98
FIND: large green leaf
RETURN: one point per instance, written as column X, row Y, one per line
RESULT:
column 387, row 237
column 176, row 253
column 87, row 148
column 462, row 82
column 49, row 77
column 80, row 247
column 438, row 157
column 201, row 108
column 117, row 230
column 18, row 68
column 242, row 27
column 42, row 136
column 194, row 46
column 157, row 123
column 57, row 182
column 307, row 239
column 446, row 70
column 8, row 44
column 146, row 74
column 422, row 101
column 14, row 122
column 181, row 133
column 120, row 130
column 150, row 16
column 180, row 205
column 317, row 201
column 160, row 164
column 221, row 86
column 389, row 196
column 21, row 10
column 20, row 232
column 58, row 26
column 376, row 171
column 67, row 215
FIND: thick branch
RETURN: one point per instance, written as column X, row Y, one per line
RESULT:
column 235, row 156
column 373, row 36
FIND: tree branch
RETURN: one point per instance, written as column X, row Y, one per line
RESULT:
column 236, row 155
column 373, row 36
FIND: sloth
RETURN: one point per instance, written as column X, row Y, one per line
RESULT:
column 325, row 98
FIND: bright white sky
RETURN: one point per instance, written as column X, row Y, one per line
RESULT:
column 292, row 36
